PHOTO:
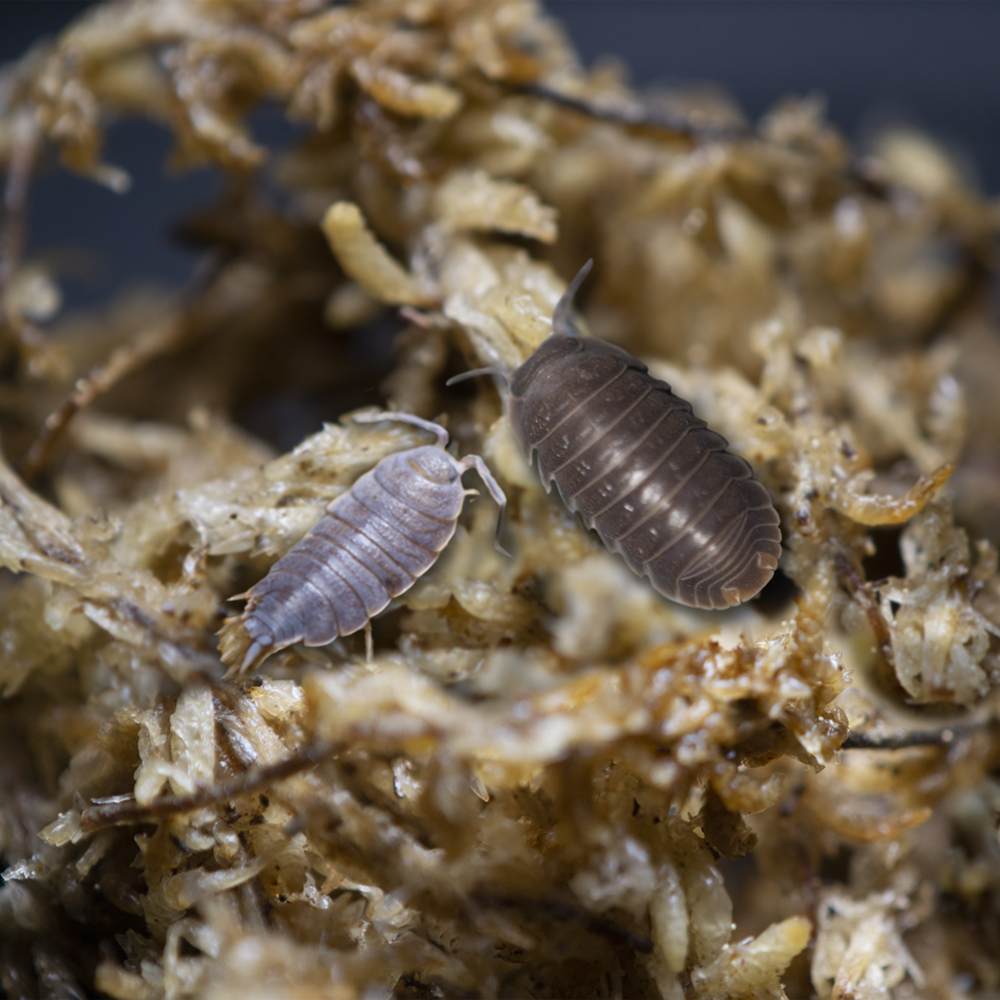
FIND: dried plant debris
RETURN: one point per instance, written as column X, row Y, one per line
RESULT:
column 548, row 781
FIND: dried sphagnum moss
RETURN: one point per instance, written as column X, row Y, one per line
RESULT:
column 528, row 791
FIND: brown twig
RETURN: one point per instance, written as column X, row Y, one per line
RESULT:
column 128, row 813
column 638, row 115
column 901, row 741
column 148, row 343
column 865, row 173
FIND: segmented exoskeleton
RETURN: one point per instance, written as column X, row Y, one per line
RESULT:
column 375, row 541
column 642, row 470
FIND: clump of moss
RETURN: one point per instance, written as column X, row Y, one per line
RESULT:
column 529, row 789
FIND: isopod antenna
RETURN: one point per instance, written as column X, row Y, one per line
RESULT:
column 562, row 319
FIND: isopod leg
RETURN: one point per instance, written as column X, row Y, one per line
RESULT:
column 475, row 462
column 369, row 644
column 405, row 418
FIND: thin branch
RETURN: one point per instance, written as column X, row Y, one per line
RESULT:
column 865, row 173
column 915, row 738
column 146, row 344
column 150, row 342
column 130, row 812
column 638, row 114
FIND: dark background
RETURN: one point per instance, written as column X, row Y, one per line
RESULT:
column 932, row 64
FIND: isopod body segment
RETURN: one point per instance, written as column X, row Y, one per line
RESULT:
column 373, row 543
column 641, row 469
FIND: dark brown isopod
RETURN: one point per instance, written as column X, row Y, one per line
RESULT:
column 642, row 470
column 372, row 545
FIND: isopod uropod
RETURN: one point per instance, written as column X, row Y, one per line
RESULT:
column 643, row 471
column 372, row 545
